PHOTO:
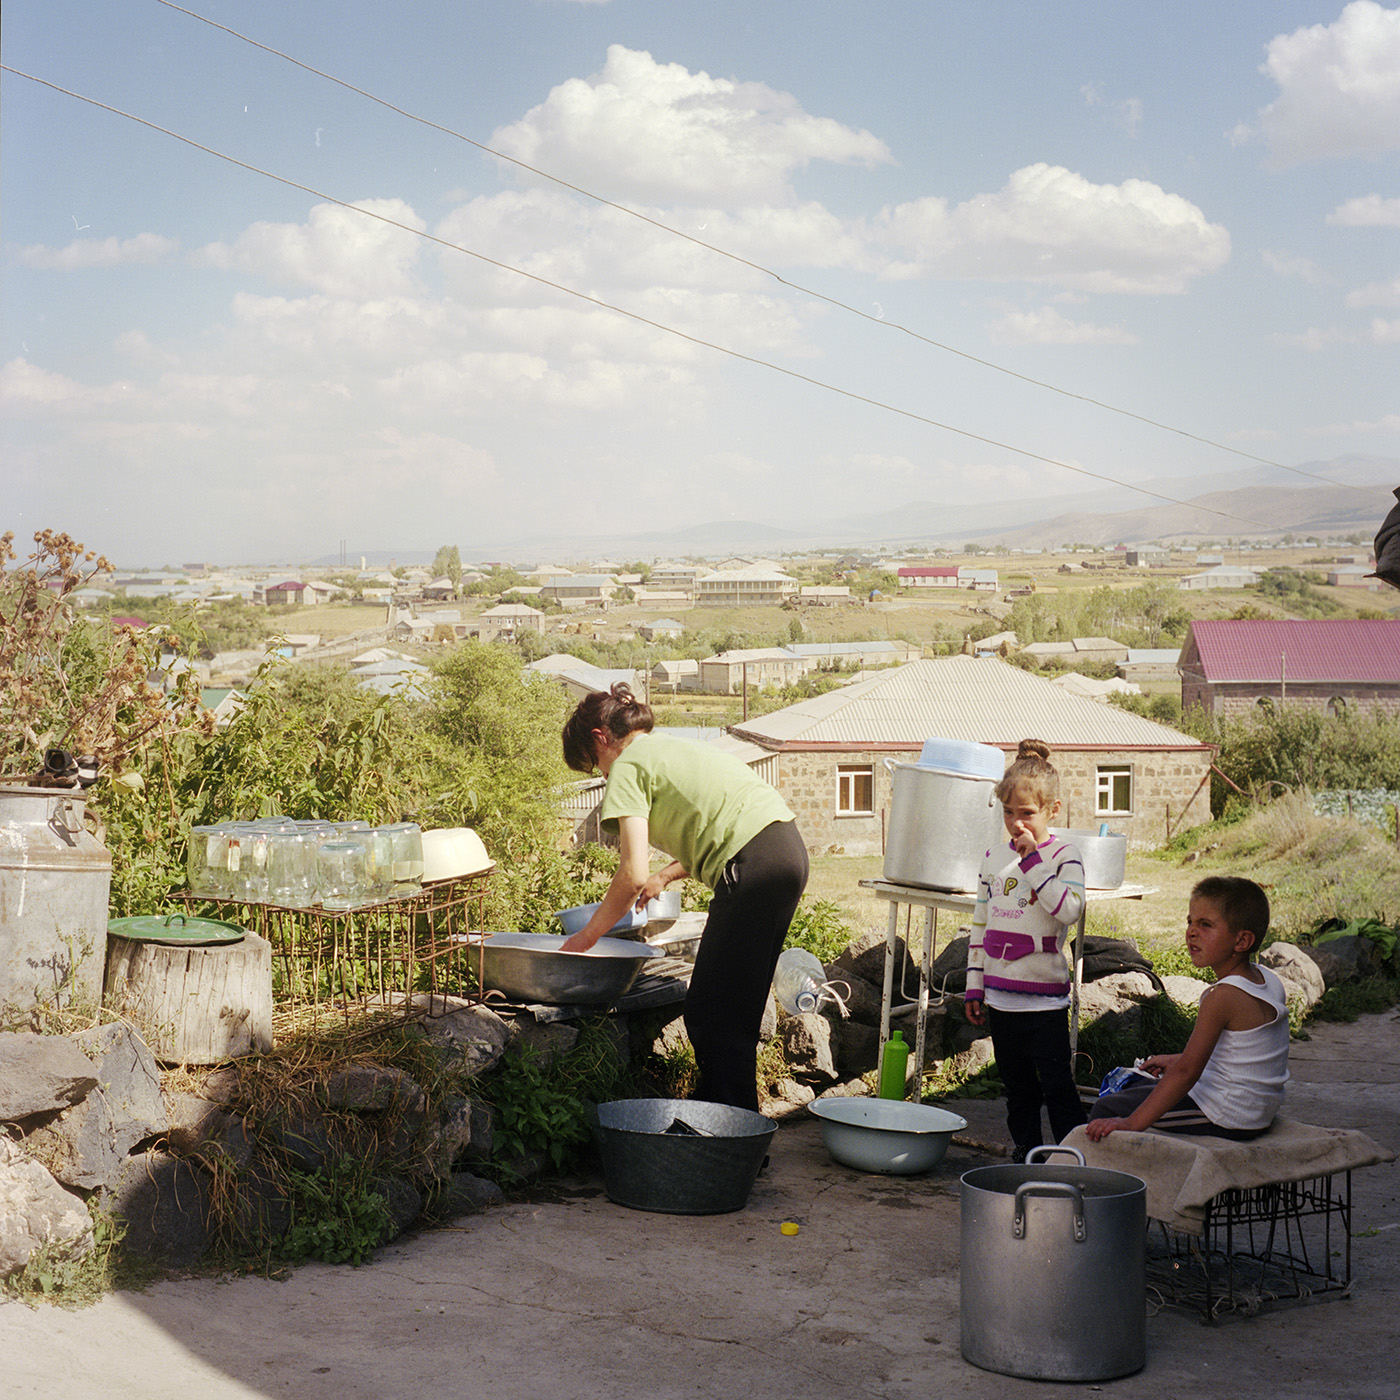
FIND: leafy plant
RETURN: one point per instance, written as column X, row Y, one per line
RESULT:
column 821, row 927
column 337, row 1216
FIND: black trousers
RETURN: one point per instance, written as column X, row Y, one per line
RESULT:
column 1032, row 1053
column 748, row 922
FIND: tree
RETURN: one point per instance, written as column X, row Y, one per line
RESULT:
column 447, row 563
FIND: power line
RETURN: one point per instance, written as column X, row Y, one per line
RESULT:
column 756, row 267
column 631, row 315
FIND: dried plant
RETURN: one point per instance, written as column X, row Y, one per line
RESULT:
column 70, row 684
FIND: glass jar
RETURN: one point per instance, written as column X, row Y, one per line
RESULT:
column 206, row 864
column 407, row 856
column 291, row 868
column 342, row 869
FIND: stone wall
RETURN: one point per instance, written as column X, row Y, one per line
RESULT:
column 1242, row 700
column 1168, row 790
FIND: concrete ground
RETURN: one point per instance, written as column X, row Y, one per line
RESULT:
column 569, row 1295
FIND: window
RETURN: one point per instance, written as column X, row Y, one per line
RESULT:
column 1336, row 707
column 855, row 790
column 1114, row 789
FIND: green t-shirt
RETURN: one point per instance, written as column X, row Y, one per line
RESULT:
column 701, row 806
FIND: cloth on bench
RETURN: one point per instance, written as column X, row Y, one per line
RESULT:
column 1183, row 1173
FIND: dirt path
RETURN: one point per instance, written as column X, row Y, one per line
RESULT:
column 569, row 1295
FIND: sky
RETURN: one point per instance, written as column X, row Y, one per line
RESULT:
column 276, row 318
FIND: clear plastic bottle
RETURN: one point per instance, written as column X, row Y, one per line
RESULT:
column 798, row 980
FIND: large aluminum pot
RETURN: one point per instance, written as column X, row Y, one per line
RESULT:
column 1105, row 857
column 941, row 824
column 1054, row 1270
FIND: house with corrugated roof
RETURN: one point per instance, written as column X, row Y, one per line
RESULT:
column 1231, row 666
column 1142, row 778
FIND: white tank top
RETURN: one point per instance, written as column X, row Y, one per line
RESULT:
column 1242, row 1083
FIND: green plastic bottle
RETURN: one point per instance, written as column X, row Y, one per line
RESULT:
column 894, row 1064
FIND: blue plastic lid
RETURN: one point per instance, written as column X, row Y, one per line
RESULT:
column 963, row 756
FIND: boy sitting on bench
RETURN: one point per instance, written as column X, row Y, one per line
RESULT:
column 1229, row 1080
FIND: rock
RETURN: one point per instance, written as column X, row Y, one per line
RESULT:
column 949, row 970
column 36, row 1212
column 164, row 1201
column 790, row 1095
column 41, row 1074
column 546, row 1042
column 373, row 1088
column 220, row 1086
column 442, row 1143
column 864, row 1002
column 464, row 1194
column 481, row 1142
column 86, row 1145
column 1300, row 975
column 865, row 958
column 768, row 1026
column 1185, row 991
column 1344, row 959
column 466, row 1037
column 1115, row 1002
column 855, row 1046
column 972, row 1061
column 403, row 1200
column 193, row 1122
column 807, row 1046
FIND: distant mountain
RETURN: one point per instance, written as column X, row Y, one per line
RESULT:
column 1253, row 502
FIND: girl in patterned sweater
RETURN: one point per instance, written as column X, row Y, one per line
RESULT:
column 1029, row 895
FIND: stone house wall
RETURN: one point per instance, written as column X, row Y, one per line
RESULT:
column 1240, row 699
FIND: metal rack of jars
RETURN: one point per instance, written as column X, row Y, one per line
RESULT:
column 344, row 907
column 385, row 952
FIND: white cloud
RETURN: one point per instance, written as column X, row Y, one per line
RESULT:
column 1390, row 423
column 145, row 250
column 1385, row 332
column 338, row 250
column 1376, row 294
column 1288, row 265
column 1126, row 113
column 1316, row 338
column 1051, row 225
column 641, row 129
column 1047, row 326
column 1339, row 87
column 1368, row 211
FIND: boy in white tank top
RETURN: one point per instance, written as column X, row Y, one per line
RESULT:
column 1229, row 1080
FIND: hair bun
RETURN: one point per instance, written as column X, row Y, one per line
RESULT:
column 1033, row 748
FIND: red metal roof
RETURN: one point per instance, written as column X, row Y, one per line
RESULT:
column 1323, row 650
column 920, row 571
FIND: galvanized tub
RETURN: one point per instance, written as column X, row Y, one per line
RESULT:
column 532, row 967
column 55, row 880
column 941, row 825
column 1054, row 1270
column 680, row 1156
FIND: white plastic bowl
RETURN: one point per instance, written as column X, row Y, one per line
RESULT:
column 886, row 1135
column 451, row 853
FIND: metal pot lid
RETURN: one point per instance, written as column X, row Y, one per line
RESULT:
column 175, row 928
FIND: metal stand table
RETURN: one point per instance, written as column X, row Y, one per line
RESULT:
column 931, row 902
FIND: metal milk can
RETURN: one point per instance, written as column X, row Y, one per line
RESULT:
column 55, row 879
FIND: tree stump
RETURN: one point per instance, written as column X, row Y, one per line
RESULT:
column 194, row 1005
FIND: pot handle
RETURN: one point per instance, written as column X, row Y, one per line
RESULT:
column 1048, row 1188
column 1039, row 1154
